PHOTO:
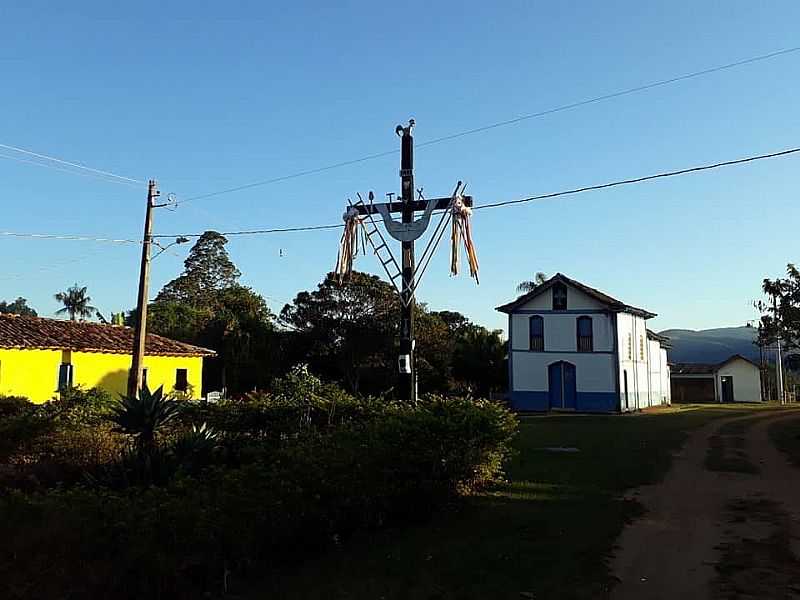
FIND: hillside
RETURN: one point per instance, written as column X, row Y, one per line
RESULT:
column 711, row 345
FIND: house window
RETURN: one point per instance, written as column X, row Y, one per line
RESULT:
column 559, row 297
column 65, row 374
column 181, row 380
column 537, row 334
column 641, row 347
column 585, row 341
column 630, row 347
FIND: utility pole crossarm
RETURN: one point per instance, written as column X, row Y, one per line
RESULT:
column 416, row 205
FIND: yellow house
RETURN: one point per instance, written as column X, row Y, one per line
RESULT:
column 40, row 356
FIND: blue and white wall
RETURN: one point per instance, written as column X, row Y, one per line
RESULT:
column 595, row 371
column 634, row 375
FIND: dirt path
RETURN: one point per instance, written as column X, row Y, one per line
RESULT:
column 731, row 532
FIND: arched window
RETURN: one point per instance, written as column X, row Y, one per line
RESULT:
column 559, row 297
column 537, row 333
column 584, row 331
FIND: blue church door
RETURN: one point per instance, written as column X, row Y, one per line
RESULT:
column 562, row 385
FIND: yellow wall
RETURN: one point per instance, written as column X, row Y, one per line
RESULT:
column 29, row 373
column 34, row 373
column 110, row 371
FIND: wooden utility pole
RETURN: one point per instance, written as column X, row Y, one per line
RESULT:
column 140, row 332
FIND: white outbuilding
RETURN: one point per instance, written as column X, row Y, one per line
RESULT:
column 575, row 348
column 736, row 379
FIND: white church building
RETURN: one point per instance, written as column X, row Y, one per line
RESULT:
column 574, row 348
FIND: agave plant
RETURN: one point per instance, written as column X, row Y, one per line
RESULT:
column 143, row 415
column 196, row 441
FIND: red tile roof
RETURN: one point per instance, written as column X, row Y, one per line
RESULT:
column 52, row 334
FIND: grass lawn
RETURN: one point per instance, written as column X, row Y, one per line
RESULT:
column 786, row 436
column 545, row 534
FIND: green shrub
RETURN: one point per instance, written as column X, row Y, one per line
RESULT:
column 298, row 403
column 12, row 406
column 285, row 500
column 55, row 440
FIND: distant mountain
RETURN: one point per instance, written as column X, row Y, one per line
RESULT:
column 711, row 345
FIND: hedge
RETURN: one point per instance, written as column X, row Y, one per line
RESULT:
column 198, row 533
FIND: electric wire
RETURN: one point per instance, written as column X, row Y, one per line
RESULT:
column 37, row 163
column 256, row 231
column 665, row 174
column 109, row 174
column 626, row 92
column 573, row 191
column 602, row 186
column 66, row 237
column 515, row 120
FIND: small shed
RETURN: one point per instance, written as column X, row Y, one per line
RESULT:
column 736, row 379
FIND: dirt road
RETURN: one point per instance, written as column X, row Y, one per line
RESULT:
column 724, row 523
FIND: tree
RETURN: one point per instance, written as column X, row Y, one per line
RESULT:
column 241, row 331
column 436, row 334
column 207, row 269
column 529, row 286
column 347, row 330
column 235, row 322
column 479, row 360
column 17, row 307
column 455, row 321
column 206, row 306
column 76, row 303
column 781, row 311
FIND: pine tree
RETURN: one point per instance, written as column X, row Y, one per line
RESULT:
column 207, row 269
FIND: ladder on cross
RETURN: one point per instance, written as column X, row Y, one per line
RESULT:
column 381, row 248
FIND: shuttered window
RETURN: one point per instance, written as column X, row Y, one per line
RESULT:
column 559, row 297
column 537, row 333
column 585, row 334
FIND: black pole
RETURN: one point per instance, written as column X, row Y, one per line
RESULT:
column 407, row 386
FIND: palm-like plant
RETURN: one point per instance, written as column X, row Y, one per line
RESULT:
column 76, row 303
column 143, row 415
column 196, row 446
column 528, row 286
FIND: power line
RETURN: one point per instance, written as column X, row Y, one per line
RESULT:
column 68, row 237
column 579, row 190
column 37, row 163
column 573, row 191
column 107, row 174
column 286, row 177
column 601, row 186
column 57, row 265
column 550, row 111
column 633, row 90
column 258, row 231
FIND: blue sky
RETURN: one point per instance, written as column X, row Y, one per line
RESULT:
column 204, row 96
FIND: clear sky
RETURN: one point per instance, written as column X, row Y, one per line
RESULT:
column 209, row 95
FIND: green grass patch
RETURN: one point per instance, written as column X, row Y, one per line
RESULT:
column 546, row 533
column 785, row 435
